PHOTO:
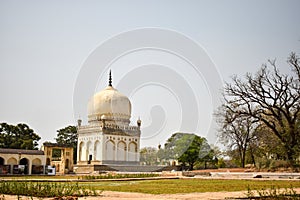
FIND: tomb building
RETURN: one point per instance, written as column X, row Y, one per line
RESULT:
column 108, row 138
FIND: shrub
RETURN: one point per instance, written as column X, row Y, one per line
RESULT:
column 44, row 189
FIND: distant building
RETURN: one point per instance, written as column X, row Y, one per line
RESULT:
column 21, row 161
column 59, row 156
column 108, row 139
column 53, row 157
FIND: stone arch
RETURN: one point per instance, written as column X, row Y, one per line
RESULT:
column 2, row 161
column 132, row 151
column 36, row 161
column 89, row 151
column 81, row 151
column 25, row 162
column 110, row 150
column 97, row 150
column 12, row 161
column 121, row 151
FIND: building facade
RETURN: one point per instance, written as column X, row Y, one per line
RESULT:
column 59, row 156
column 108, row 138
column 21, row 161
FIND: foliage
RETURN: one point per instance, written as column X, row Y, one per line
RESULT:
column 20, row 136
column 273, row 193
column 45, row 189
column 268, row 145
column 187, row 148
column 173, row 186
column 271, row 99
column 236, row 131
column 148, row 155
column 68, row 136
column 165, row 186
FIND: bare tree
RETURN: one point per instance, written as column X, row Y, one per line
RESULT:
column 236, row 131
column 273, row 99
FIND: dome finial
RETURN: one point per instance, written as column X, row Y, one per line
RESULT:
column 110, row 79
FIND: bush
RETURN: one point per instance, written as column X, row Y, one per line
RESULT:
column 276, row 164
column 221, row 163
column 44, row 189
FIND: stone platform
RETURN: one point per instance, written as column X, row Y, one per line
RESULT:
column 88, row 169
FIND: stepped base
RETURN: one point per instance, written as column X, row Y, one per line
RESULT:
column 89, row 169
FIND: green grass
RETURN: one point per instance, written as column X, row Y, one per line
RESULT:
column 41, row 177
column 45, row 189
column 173, row 186
column 165, row 186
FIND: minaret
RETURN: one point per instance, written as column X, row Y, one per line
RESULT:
column 110, row 79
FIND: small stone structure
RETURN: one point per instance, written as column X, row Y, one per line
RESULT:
column 59, row 156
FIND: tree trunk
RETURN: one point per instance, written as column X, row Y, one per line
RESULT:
column 191, row 166
column 290, row 155
column 243, row 155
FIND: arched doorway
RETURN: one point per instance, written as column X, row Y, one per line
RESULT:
column 25, row 163
column 89, row 153
column 67, row 164
column 48, row 161
column 1, row 161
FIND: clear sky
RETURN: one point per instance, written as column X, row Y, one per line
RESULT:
column 45, row 46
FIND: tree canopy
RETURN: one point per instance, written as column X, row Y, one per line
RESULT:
column 19, row 136
column 187, row 148
column 148, row 155
column 237, row 132
column 270, row 99
column 68, row 136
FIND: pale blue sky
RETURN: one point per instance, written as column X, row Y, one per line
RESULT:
column 44, row 44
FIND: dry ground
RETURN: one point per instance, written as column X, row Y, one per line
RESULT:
column 109, row 195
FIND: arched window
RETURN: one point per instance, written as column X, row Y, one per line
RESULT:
column 97, row 150
column 110, row 150
column 121, row 151
column 132, row 151
column 81, row 151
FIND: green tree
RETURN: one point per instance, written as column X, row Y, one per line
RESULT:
column 273, row 99
column 187, row 148
column 148, row 155
column 19, row 136
column 68, row 136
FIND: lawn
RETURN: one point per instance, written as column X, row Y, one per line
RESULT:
column 173, row 186
column 163, row 186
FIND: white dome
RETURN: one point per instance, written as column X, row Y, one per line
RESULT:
column 110, row 103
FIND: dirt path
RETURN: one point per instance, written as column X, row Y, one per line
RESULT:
column 109, row 195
